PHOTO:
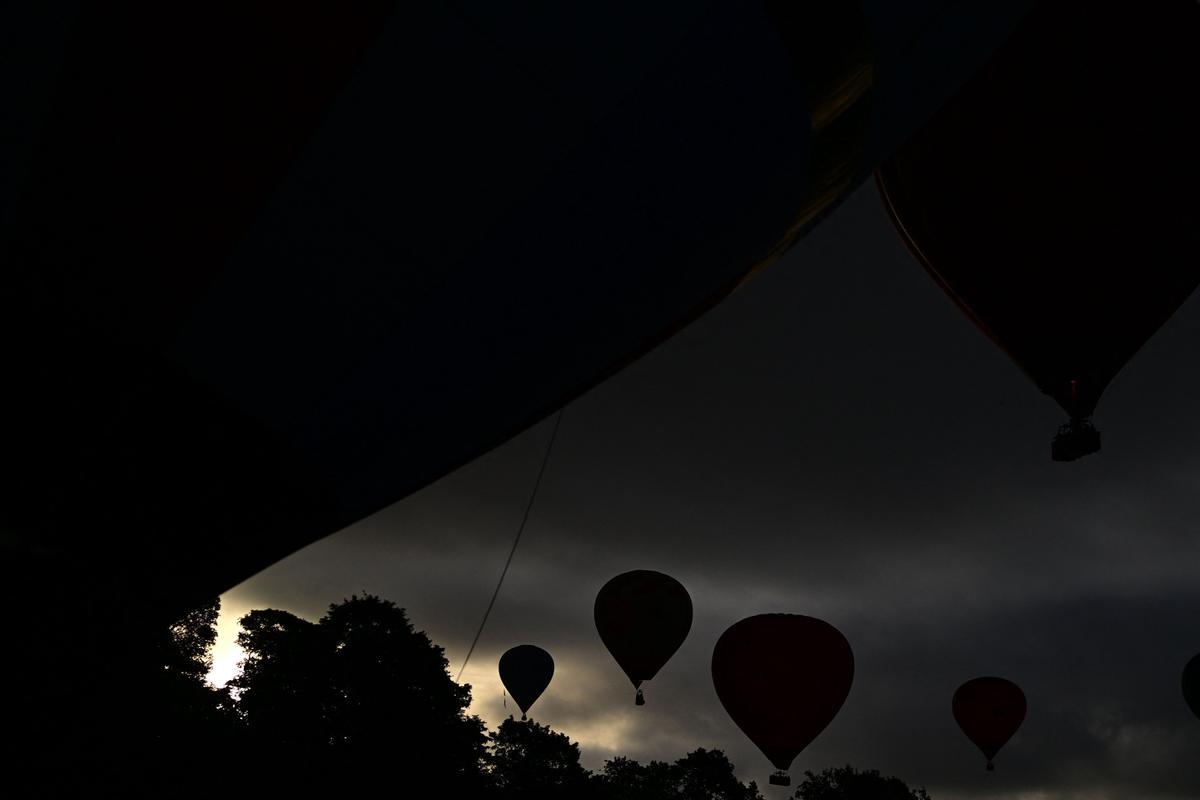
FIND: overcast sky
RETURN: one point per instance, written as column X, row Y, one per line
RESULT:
column 837, row 440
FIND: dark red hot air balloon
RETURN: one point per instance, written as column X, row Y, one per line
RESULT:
column 1048, row 197
column 525, row 671
column 782, row 678
column 1191, row 685
column 989, row 711
column 643, row 617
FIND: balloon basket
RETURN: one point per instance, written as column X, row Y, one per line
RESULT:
column 1074, row 440
column 780, row 778
column 639, row 699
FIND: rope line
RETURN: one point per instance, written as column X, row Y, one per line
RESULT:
column 517, row 540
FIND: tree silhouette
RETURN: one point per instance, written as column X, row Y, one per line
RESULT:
column 847, row 783
column 186, row 646
column 184, row 657
column 700, row 775
column 528, row 760
column 625, row 779
column 285, row 687
column 708, row 775
column 358, row 698
column 361, row 700
column 189, row 723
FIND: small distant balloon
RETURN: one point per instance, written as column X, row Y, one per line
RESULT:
column 782, row 678
column 1191, row 685
column 525, row 671
column 989, row 711
column 643, row 617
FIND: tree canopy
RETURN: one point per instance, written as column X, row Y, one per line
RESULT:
column 360, row 693
column 188, row 722
column 360, row 698
column 700, row 775
column 528, row 760
column 847, row 783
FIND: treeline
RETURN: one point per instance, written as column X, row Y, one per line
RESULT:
column 360, row 700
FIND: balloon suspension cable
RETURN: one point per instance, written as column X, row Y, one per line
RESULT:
column 639, row 699
column 517, row 540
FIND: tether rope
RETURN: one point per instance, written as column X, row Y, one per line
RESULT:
column 520, row 530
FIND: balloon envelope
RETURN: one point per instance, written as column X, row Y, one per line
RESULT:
column 1191, row 685
column 236, row 236
column 643, row 617
column 989, row 711
column 782, row 678
column 1048, row 209
column 525, row 671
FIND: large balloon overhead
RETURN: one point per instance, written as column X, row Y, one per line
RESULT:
column 237, row 236
column 1191, row 685
column 270, row 267
column 989, row 710
column 782, row 678
column 643, row 617
column 525, row 671
column 1045, row 197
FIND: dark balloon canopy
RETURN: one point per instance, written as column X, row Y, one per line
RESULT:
column 643, row 617
column 989, row 711
column 236, row 235
column 1191, row 685
column 238, row 232
column 782, row 678
column 1044, row 198
column 525, row 671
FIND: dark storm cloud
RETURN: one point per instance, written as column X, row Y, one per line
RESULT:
column 834, row 440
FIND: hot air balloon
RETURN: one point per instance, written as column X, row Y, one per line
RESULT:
column 782, row 678
column 1191, row 685
column 989, row 711
column 643, row 617
column 1044, row 198
column 235, row 238
column 525, row 671
column 271, row 267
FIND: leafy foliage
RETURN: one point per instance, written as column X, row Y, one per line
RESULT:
column 187, row 705
column 700, row 775
column 189, row 648
column 360, row 693
column 360, row 700
column 188, row 723
column 528, row 760
column 847, row 783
